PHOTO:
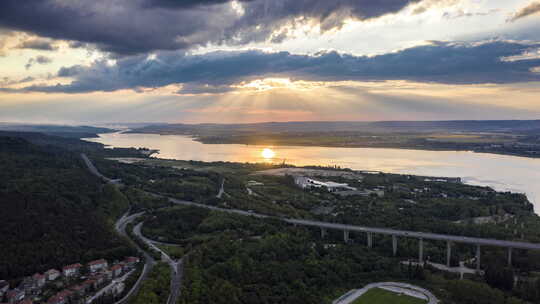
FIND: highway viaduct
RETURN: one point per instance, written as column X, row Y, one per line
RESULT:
column 421, row 236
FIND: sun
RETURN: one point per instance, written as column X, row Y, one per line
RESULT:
column 268, row 153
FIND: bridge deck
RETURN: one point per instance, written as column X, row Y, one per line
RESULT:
column 419, row 235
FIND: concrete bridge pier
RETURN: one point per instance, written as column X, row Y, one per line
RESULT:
column 509, row 256
column 394, row 245
column 370, row 240
column 346, row 236
column 421, row 251
column 477, row 257
column 448, row 253
column 323, row 232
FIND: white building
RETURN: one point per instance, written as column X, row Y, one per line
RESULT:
column 71, row 270
column 97, row 265
column 307, row 183
column 52, row 274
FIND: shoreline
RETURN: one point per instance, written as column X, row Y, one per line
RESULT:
column 442, row 149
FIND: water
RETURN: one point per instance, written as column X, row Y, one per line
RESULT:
column 501, row 172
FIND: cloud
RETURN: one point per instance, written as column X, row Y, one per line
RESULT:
column 429, row 4
column 531, row 9
column 37, row 60
column 6, row 81
column 464, row 14
column 441, row 62
column 38, row 44
column 185, row 3
column 138, row 26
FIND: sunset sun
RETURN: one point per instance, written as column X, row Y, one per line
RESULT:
column 268, row 153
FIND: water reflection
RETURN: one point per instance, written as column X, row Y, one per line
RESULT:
column 504, row 173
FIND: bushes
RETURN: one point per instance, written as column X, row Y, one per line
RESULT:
column 469, row 292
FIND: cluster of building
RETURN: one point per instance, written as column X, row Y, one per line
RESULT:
column 341, row 189
column 77, row 281
column 308, row 183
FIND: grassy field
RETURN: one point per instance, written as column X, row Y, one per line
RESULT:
column 381, row 296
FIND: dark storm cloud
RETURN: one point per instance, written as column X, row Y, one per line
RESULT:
column 440, row 62
column 185, row 3
column 531, row 9
column 38, row 44
column 138, row 26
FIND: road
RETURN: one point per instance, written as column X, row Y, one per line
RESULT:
column 407, row 289
column 120, row 226
column 95, row 171
column 149, row 262
column 107, row 288
column 461, row 270
column 221, row 189
column 176, row 266
column 386, row 231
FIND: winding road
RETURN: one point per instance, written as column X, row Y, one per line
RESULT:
column 149, row 261
column 120, row 227
column 176, row 266
column 408, row 289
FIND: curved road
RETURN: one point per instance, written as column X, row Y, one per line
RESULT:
column 176, row 266
column 405, row 288
column 120, row 227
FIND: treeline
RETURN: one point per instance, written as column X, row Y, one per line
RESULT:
column 54, row 212
column 281, row 268
column 184, row 184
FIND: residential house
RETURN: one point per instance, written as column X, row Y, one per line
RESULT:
column 116, row 270
column 97, row 265
column 71, row 270
column 108, row 274
column 27, row 285
column 99, row 278
column 4, row 287
column 90, row 284
column 79, row 289
column 132, row 260
column 61, row 297
column 38, row 280
column 52, row 274
column 15, row 295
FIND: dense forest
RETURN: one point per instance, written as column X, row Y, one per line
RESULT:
column 237, row 259
column 54, row 212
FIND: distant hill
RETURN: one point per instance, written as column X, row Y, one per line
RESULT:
column 348, row 126
column 57, row 130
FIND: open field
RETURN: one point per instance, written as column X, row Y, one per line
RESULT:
column 381, row 296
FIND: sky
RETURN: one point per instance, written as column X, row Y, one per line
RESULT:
column 224, row 61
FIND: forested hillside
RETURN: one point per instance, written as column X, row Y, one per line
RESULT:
column 53, row 211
